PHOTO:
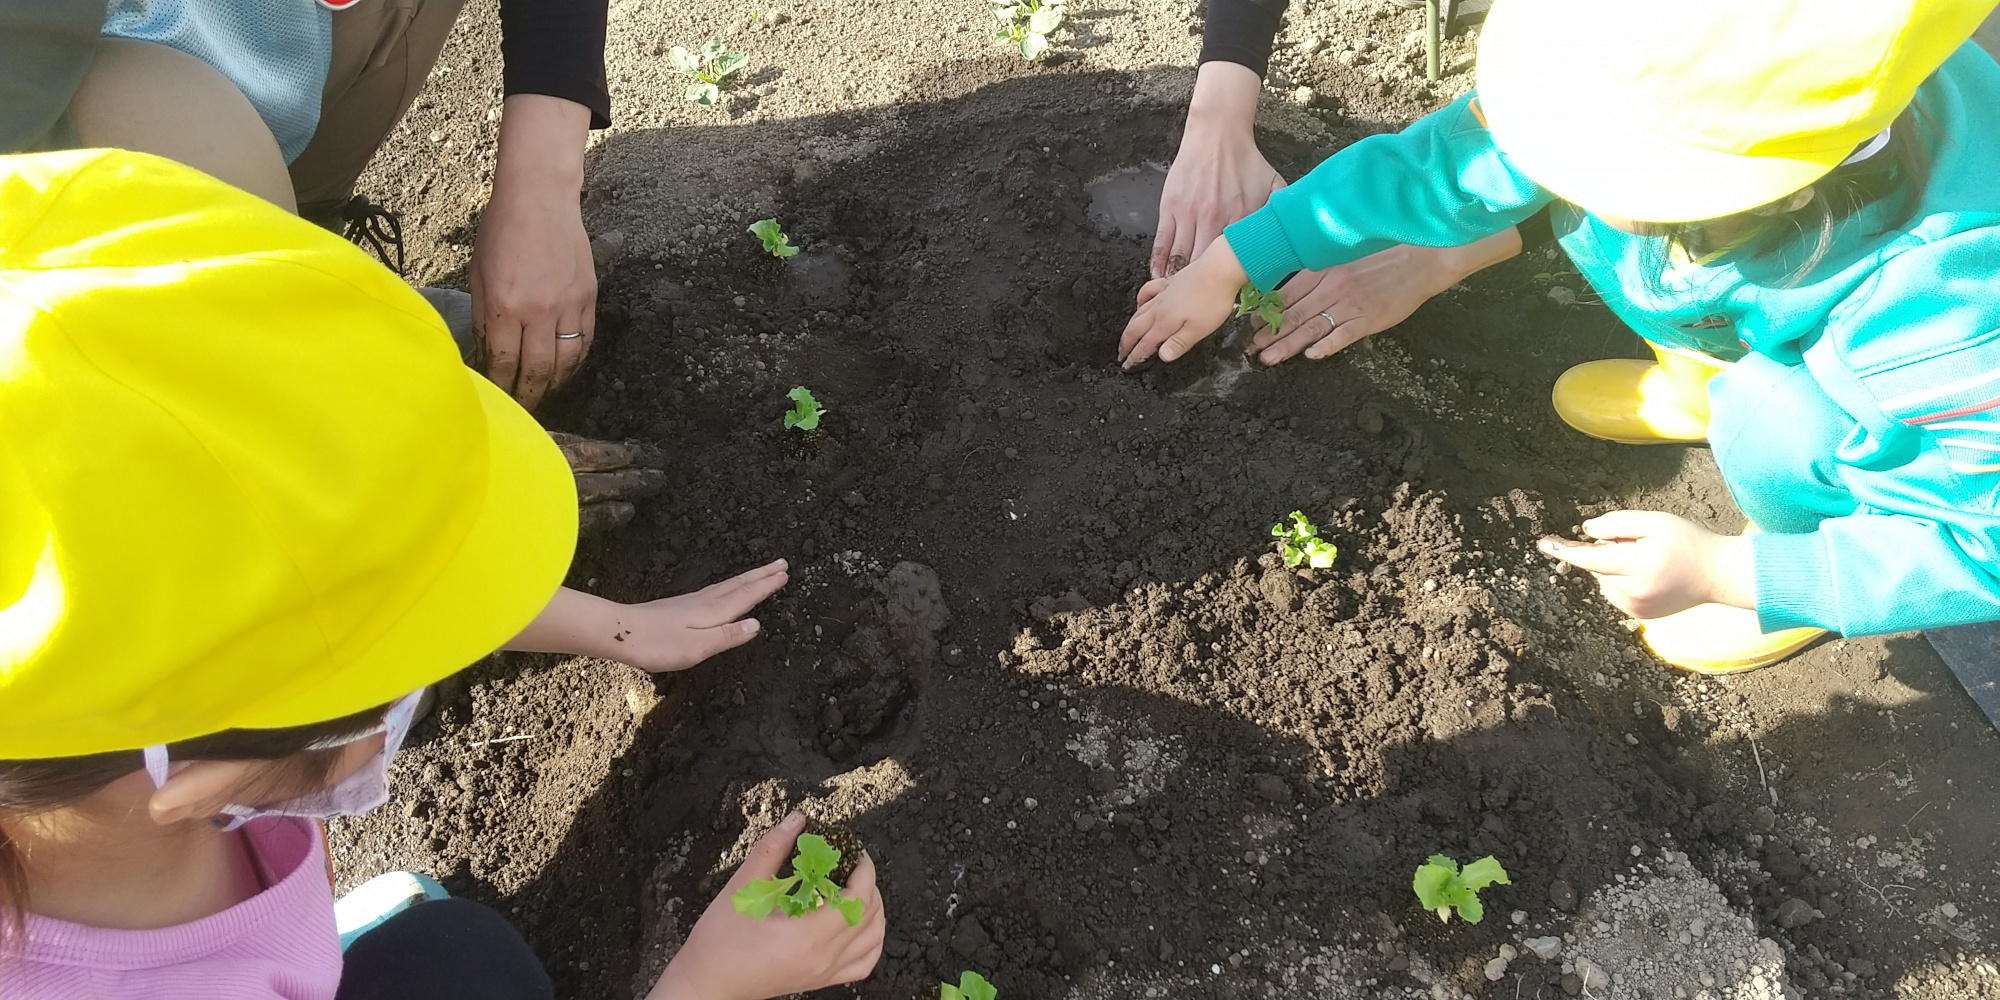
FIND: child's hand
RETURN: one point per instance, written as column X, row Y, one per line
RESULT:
column 1176, row 312
column 729, row 956
column 1652, row 564
column 674, row 633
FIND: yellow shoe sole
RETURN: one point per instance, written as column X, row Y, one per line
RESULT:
column 1627, row 401
column 1719, row 639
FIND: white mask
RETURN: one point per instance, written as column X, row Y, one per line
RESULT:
column 353, row 795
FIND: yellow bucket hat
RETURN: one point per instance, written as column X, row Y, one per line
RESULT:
column 244, row 479
column 1684, row 110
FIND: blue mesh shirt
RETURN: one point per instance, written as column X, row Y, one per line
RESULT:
column 275, row 51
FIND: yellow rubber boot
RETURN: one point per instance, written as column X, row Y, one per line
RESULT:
column 1719, row 639
column 1639, row 402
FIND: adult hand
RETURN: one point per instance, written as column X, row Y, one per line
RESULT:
column 533, row 282
column 1175, row 313
column 1218, row 175
column 610, row 475
column 1651, row 564
column 670, row 634
column 729, row 956
column 1325, row 311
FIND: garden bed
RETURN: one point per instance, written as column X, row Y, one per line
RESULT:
column 1037, row 651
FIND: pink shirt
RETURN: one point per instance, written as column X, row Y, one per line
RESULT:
column 280, row 943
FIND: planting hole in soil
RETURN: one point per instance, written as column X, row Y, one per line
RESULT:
column 1039, row 650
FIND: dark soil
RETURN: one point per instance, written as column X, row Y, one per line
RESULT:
column 1038, row 651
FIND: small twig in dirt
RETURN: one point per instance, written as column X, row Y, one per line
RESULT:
column 1914, row 815
column 502, row 739
column 1758, row 755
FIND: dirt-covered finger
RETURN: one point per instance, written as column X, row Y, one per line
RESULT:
column 503, row 352
column 598, row 518
column 770, row 852
column 624, row 484
column 1603, row 558
column 1163, row 245
column 592, row 455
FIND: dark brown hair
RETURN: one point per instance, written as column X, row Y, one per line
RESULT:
column 1791, row 244
column 28, row 787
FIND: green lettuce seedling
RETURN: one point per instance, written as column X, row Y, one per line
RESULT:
column 709, row 67
column 1442, row 888
column 1299, row 542
column 1267, row 306
column 971, row 986
column 1026, row 25
column 804, row 890
column 805, row 411
column 775, row 240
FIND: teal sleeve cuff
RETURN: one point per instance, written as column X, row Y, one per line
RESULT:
column 1261, row 246
column 1795, row 584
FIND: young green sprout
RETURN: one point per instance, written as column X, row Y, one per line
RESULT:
column 1267, row 306
column 805, row 412
column 1441, row 887
column 776, row 243
column 802, row 892
column 1299, row 542
column 971, row 986
column 1026, row 25
column 709, row 67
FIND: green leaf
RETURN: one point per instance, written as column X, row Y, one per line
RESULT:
column 704, row 94
column 1482, row 873
column 1434, row 880
column 1044, row 21
column 784, row 250
column 756, row 899
column 1443, row 888
column 683, row 60
column 816, row 858
column 730, row 62
column 971, row 986
column 1273, row 316
column 710, row 49
column 853, row 909
column 1320, row 553
column 1293, row 554
column 805, row 415
column 1033, row 46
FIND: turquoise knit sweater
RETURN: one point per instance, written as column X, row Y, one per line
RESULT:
column 1899, row 329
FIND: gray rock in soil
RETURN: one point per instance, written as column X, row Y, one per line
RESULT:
column 1795, row 913
column 1562, row 896
column 1545, row 948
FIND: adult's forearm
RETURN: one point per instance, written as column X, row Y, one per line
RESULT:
column 542, row 141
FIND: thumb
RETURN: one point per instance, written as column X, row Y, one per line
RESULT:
column 771, row 851
column 1609, row 558
column 1628, row 524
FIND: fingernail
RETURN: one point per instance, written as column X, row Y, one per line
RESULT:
column 793, row 823
column 750, row 626
column 1168, row 354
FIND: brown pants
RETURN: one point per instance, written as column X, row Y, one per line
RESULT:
column 383, row 51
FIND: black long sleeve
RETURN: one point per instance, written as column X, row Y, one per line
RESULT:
column 556, row 47
column 1241, row 31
